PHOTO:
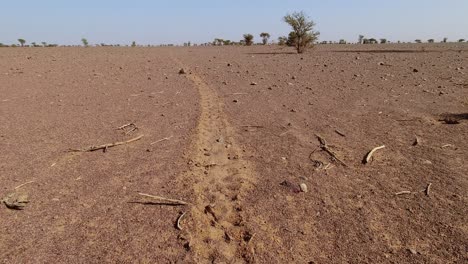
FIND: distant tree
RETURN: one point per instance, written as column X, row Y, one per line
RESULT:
column 265, row 36
column 44, row 44
column 282, row 40
column 361, row 39
column 133, row 43
column 430, row 40
column 2, row 45
column 85, row 42
column 444, row 40
column 342, row 41
column 303, row 27
column 383, row 41
column 418, row 41
column 227, row 42
column 22, row 41
column 461, row 40
column 248, row 38
column 218, row 42
column 372, row 41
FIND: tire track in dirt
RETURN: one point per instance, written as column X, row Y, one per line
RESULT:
column 220, row 180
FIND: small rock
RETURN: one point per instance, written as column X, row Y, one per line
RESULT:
column 16, row 201
column 427, row 162
column 253, row 83
column 294, row 77
column 229, row 64
column 235, row 101
column 381, row 63
column 415, row 70
column 412, row 251
column 182, row 71
column 303, row 187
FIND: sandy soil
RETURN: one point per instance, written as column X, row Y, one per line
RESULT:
column 235, row 137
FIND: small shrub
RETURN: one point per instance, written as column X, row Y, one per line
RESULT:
column 282, row 40
column 85, row 42
column 430, row 40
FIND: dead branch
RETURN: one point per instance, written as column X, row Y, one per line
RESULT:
column 403, row 192
column 21, row 185
column 368, row 157
column 161, row 140
column 125, row 126
column 238, row 94
column 179, row 220
column 106, row 146
column 428, row 189
column 174, row 201
column 340, row 133
column 131, row 130
column 325, row 147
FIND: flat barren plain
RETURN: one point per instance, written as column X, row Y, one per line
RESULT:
column 269, row 151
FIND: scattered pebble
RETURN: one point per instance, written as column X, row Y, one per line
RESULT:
column 303, row 187
column 253, row 83
column 182, row 71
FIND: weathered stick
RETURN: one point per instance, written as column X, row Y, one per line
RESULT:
column 324, row 146
column 340, row 133
column 126, row 125
column 369, row 155
column 428, row 189
column 174, row 201
column 403, row 192
column 106, row 146
column 161, row 140
column 21, row 185
column 179, row 220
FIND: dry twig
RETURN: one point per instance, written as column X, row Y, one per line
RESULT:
column 179, row 220
column 428, row 189
column 21, row 185
column 172, row 201
column 161, row 140
column 368, row 157
column 125, row 126
column 326, row 148
column 340, row 133
column 106, row 146
column 403, row 192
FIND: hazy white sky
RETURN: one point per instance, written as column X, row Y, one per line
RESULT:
column 156, row 22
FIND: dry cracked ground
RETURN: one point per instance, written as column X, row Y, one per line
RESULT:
column 265, row 146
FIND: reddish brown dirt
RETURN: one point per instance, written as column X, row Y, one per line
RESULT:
column 237, row 153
